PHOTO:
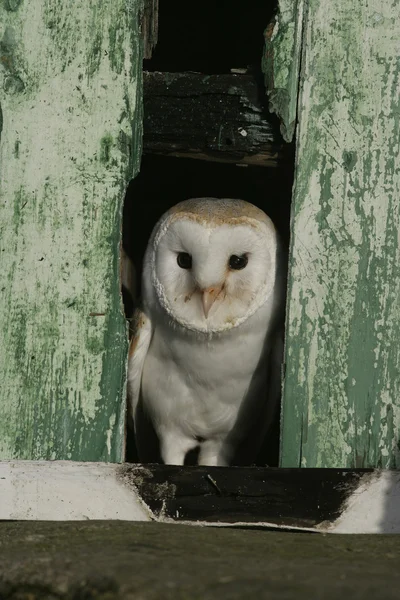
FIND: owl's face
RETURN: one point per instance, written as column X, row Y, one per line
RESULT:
column 211, row 274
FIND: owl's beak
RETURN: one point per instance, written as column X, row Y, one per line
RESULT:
column 209, row 296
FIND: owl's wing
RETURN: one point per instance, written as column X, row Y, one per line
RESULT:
column 128, row 283
column 141, row 332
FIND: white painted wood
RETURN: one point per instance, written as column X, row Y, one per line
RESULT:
column 374, row 507
column 65, row 491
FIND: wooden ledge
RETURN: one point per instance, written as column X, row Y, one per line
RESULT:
column 319, row 500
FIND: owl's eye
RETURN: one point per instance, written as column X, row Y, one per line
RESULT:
column 238, row 262
column 184, row 260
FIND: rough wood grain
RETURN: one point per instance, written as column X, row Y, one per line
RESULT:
column 149, row 27
column 211, row 117
column 290, row 497
column 70, row 81
column 281, row 62
column 342, row 388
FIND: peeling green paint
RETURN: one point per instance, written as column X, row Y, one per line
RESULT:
column 12, row 5
column 64, row 339
column 281, row 62
column 106, row 143
column 341, row 403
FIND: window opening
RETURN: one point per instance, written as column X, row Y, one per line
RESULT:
column 209, row 38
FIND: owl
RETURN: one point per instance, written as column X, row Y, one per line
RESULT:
column 204, row 359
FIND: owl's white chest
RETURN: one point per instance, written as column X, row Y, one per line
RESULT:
column 195, row 386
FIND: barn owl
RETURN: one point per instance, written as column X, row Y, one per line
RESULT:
column 204, row 358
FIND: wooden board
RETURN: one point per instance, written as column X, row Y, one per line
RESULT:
column 291, row 497
column 149, row 27
column 341, row 404
column 213, row 117
column 317, row 500
column 70, row 95
column 281, row 62
column 67, row 491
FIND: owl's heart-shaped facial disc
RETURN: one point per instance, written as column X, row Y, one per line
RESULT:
column 212, row 263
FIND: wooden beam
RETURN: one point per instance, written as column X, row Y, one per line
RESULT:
column 70, row 93
column 210, row 117
column 67, row 491
column 318, row 500
column 341, row 405
column 321, row 500
column 281, row 62
column 290, row 497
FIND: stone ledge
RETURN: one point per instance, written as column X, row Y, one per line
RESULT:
column 114, row 560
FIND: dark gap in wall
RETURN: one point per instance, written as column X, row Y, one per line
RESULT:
column 211, row 37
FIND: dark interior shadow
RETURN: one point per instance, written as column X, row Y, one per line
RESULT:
column 211, row 37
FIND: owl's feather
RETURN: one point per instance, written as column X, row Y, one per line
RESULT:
column 140, row 341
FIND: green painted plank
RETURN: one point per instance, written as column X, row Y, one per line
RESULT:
column 281, row 62
column 342, row 389
column 70, row 95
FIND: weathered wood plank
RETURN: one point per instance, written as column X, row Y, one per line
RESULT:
column 342, row 389
column 281, row 62
column 149, row 27
column 211, row 117
column 51, row 490
column 70, row 81
column 291, row 497
column 319, row 500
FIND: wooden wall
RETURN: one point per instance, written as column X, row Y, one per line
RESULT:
column 70, row 95
column 341, row 403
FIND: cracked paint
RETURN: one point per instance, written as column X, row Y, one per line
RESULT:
column 342, row 388
column 281, row 62
column 63, row 179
